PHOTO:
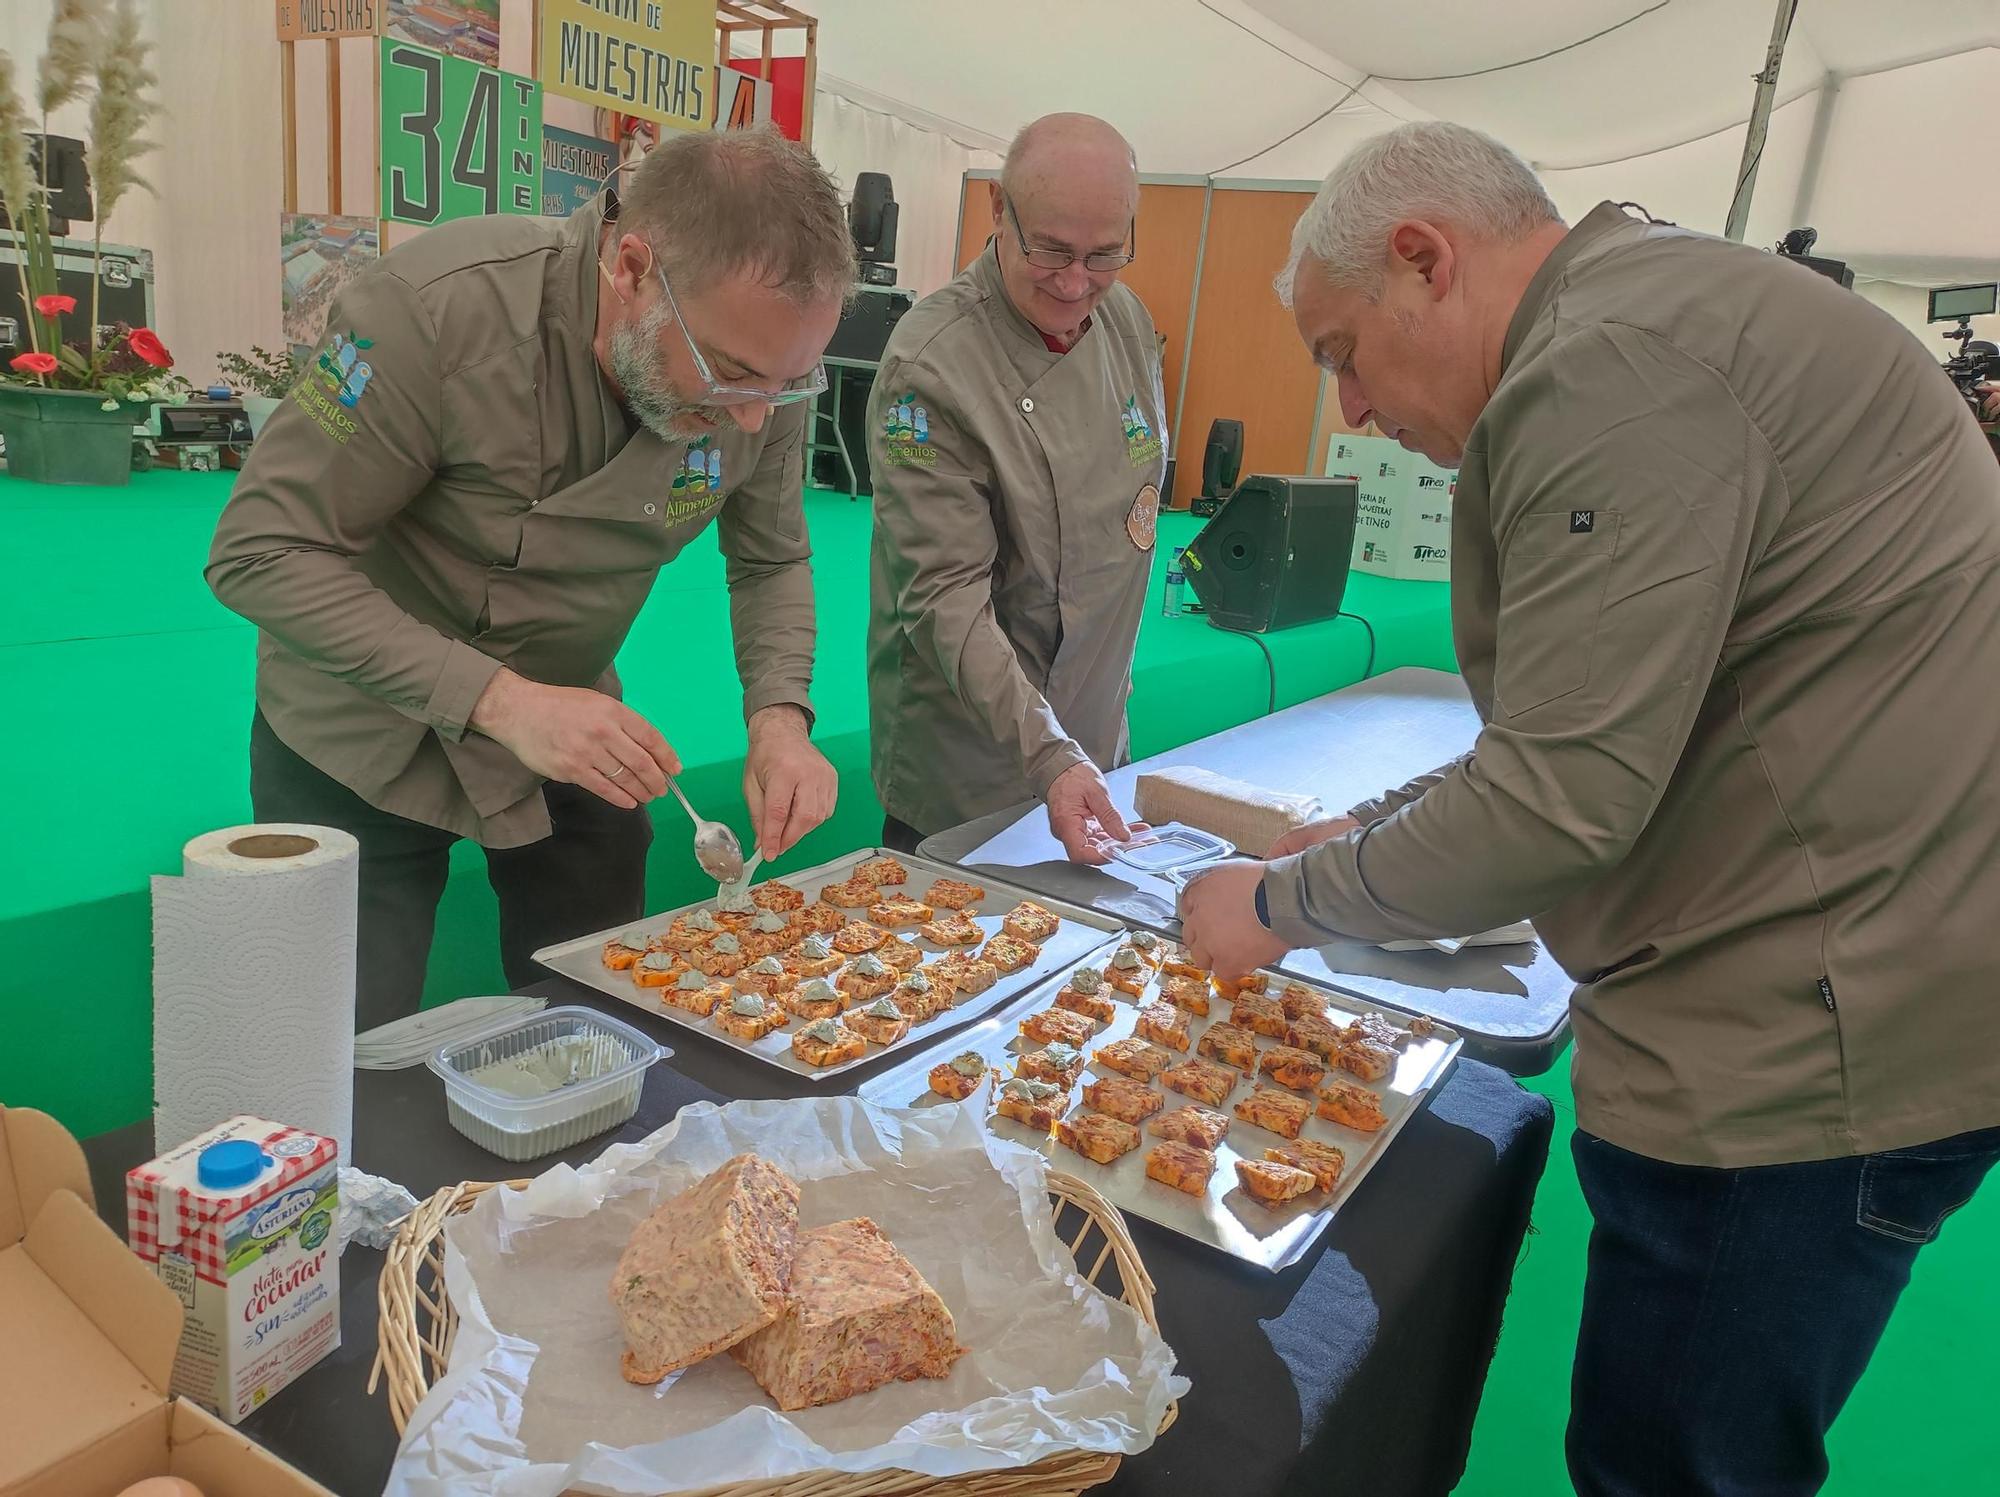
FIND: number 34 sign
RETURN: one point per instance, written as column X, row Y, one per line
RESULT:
column 458, row 139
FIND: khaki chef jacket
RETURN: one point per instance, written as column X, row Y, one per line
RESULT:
column 453, row 487
column 1726, row 594
column 1015, row 496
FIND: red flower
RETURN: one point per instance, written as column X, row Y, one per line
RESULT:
column 147, row 345
column 34, row 363
column 55, row 306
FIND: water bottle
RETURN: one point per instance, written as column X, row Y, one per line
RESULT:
column 1174, row 603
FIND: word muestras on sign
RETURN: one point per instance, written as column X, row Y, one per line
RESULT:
column 303, row 20
column 652, row 58
column 573, row 168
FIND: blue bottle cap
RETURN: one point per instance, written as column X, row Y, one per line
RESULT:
column 225, row 1166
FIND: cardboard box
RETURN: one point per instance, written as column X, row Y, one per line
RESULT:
column 90, row 1337
column 1402, row 521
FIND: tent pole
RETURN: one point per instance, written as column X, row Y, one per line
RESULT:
column 1760, row 122
column 1822, row 126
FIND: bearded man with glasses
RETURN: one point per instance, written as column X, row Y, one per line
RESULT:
column 1017, row 436
column 446, row 531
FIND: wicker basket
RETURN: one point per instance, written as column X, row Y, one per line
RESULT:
column 417, row 1324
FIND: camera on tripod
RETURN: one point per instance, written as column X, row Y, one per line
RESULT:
column 1977, row 361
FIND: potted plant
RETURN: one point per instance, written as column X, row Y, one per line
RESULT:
column 69, row 401
column 261, row 379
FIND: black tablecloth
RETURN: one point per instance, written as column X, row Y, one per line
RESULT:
column 1356, row 1370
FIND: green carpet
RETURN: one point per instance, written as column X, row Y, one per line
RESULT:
column 127, row 693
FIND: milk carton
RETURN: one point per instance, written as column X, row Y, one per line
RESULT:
column 239, row 1223
column 1402, row 519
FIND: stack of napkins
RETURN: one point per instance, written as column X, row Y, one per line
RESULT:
column 407, row 1042
column 1507, row 935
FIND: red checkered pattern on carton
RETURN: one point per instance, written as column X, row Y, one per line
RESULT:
column 165, row 1218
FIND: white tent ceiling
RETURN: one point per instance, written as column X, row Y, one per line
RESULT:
column 1882, row 139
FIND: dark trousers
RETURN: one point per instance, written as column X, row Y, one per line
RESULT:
column 900, row 836
column 588, row 874
column 1728, row 1313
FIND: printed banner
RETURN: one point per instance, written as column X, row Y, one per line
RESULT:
column 786, row 105
column 573, row 168
column 311, row 20
column 746, row 101
column 463, row 28
column 458, row 139
column 653, row 58
column 319, row 253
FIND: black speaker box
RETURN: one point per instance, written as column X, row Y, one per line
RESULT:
column 864, row 327
column 1276, row 554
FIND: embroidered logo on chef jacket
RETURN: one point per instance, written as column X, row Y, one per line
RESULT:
column 342, row 369
column 906, row 434
column 1142, row 522
column 335, row 384
column 697, row 485
column 1141, row 446
column 700, row 471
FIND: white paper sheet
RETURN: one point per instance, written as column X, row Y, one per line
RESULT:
column 533, row 1403
column 1517, row 934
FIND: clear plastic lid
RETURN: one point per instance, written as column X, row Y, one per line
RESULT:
column 525, row 1064
column 1171, row 848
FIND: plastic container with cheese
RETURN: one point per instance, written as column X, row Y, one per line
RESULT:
column 533, row 1086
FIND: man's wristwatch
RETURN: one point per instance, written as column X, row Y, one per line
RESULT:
column 1263, row 906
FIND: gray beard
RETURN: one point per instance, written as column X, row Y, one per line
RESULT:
column 642, row 377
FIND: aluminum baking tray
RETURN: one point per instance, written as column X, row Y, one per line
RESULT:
column 1084, row 933
column 1225, row 1217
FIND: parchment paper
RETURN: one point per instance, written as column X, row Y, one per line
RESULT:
column 533, row 1405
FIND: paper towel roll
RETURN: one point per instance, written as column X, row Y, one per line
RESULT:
column 253, row 982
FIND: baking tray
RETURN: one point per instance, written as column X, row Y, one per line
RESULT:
column 1225, row 1218
column 1084, row 934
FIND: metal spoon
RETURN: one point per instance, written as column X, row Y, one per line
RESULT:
column 715, row 846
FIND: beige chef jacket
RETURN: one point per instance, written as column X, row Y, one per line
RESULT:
column 1015, row 496
column 454, row 487
column 1726, row 594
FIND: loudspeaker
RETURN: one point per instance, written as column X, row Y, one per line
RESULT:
column 67, row 177
column 1276, row 554
column 871, row 222
column 1222, row 459
column 870, row 317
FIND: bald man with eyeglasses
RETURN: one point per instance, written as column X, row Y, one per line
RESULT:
column 446, row 531
column 1017, row 440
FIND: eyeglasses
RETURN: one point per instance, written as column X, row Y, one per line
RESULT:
column 1058, row 259
column 714, row 392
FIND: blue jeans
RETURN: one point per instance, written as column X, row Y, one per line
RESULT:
column 1728, row 1313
